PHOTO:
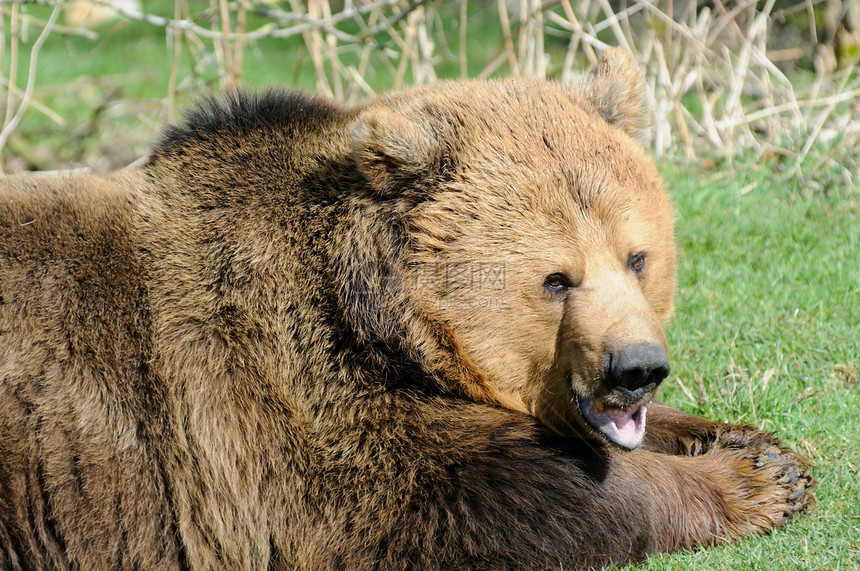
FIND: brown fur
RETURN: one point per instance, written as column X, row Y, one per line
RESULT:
column 309, row 336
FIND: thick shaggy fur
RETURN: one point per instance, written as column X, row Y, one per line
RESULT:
column 310, row 336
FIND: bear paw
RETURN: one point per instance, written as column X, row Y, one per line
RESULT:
column 770, row 483
column 792, row 483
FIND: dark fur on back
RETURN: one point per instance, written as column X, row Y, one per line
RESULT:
column 240, row 113
column 211, row 362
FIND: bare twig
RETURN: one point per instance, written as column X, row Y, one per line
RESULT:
column 12, row 122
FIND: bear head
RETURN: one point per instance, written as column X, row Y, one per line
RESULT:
column 539, row 253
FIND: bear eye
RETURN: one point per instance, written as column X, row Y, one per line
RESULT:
column 636, row 262
column 557, row 283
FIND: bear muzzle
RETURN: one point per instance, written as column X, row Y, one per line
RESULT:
column 634, row 371
column 631, row 376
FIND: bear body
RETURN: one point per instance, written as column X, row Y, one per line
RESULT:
column 422, row 332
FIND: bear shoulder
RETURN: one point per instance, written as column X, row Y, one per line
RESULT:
column 242, row 115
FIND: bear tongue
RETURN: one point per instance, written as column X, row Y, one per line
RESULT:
column 622, row 419
column 623, row 426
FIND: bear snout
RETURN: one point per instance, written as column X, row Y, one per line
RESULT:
column 634, row 371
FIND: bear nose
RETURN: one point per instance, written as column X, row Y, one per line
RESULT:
column 637, row 369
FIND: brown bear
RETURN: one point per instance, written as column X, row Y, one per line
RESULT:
column 423, row 332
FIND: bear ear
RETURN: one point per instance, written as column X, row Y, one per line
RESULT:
column 393, row 152
column 616, row 89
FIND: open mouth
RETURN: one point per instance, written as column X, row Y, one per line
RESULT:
column 624, row 426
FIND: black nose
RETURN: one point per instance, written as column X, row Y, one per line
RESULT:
column 637, row 368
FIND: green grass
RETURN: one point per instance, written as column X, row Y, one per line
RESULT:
column 767, row 331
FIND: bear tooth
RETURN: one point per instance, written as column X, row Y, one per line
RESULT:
column 599, row 406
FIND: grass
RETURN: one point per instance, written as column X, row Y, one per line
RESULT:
column 767, row 331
